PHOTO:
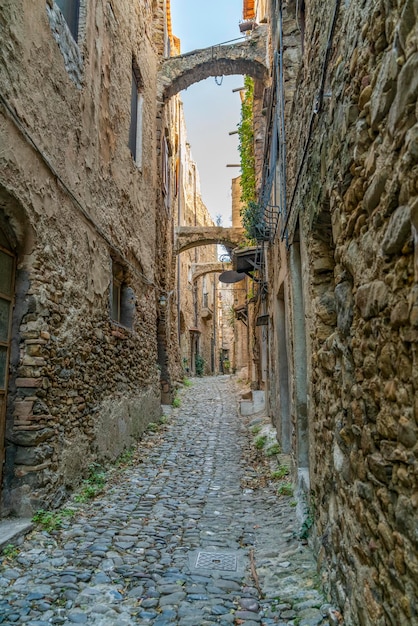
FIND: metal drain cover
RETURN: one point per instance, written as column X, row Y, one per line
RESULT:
column 216, row 560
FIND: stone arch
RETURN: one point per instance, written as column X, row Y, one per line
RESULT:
column 201, row 269
column 193, row 236
column 247, row 58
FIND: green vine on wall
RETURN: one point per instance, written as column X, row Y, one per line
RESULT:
column 250, row 211
column 246, row 143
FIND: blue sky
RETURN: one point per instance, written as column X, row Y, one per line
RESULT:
column 211, row 111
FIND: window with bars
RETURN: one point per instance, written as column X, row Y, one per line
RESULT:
column 71, row 12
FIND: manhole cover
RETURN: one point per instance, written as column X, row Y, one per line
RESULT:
column 217, row 560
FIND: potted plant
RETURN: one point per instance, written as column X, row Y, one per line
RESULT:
column 253, row 222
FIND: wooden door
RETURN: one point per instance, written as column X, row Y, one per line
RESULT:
column 7, row 270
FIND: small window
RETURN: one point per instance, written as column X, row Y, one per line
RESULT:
column 302, row 23
column 122, row 298
column 164, row 168
column 71, row 12
column 135, row 130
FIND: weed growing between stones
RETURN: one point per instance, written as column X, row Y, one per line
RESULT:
column 274, row 606
column 306, row 526
column 93, row 485
column 52, row 520
column 256, row 429
column 10, row 552
column 280, row 472
column 152, row 427
column 126, row 458
column 286, row 489
column 187, row 382
column 260, row 442
column 273, row 450
column 176, row 402
column 308, row 520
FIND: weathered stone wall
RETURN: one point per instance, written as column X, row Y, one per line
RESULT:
column 82, row 387
column 196, row 296
column 170, row 121
column 181, row 204
column 353, row 163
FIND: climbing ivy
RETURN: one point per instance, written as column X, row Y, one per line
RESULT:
column 246, row 150
column 246, row 143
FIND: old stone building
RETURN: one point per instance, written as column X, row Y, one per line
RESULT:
column 188, row 341
column 105, row 304
column 177, row 73
column 101, row 314
column 339, row 195
column 84, row 208
column 195, row 291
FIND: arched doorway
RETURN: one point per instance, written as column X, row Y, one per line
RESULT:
column 7, row 278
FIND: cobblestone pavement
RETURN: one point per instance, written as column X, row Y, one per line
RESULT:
column 176, row 538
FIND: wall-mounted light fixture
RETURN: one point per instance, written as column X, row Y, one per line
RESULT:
column 163, row 301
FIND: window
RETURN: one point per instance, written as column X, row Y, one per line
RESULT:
column 71, row 11
column 302, row 23
column 122, row 303
column 166, row 153
column 135, row 130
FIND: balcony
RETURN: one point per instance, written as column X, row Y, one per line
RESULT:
column 206, row 313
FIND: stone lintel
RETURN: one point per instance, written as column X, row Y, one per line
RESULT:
column 28, row 382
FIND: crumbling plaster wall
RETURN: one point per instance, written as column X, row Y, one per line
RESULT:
column 79, row 200
column 356, row 201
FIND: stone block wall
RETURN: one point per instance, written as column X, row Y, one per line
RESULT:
column 353, row 169
column 82, row 385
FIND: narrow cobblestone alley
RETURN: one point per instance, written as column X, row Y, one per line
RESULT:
column 177, row 538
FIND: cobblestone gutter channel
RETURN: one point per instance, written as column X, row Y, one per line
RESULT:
column 177, row 538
